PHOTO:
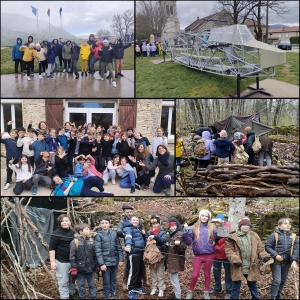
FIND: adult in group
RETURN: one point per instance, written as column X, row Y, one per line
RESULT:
column 166, row 166
column 265, row 151
column 42, row 127
column 127, row 213
column 59, row 250
column 139, row 139
column 159, row 139
column 79, row 187
column 248, row 145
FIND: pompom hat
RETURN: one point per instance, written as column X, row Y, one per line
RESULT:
column 205, row 211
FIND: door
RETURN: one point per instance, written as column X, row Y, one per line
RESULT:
column 127, row 113
column 54, row 113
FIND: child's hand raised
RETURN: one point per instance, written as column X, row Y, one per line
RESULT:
column 109, row 48
column 10, row 122
column 11, row 161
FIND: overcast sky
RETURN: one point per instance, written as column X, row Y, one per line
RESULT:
column 78, row 17
column 188, row 11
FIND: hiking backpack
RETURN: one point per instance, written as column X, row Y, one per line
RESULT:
column 152, row 255
column 200, row 149
column 256, row 146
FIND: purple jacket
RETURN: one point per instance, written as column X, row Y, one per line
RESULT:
column 204, row 244
column 209, row 145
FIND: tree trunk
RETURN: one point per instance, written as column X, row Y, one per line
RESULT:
column 236, row 210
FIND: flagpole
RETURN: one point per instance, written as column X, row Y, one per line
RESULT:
column 37, row 24
column 60, row 23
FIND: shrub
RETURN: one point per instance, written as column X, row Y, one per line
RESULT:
column 294, row 40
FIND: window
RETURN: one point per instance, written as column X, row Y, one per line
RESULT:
column 287, row 35
column 279, row 35
column 171, row 10
column 11, row 110
column 168, row 119
column 91, row 104
column 167, row 9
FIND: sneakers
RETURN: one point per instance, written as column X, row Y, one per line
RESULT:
column 85, row 73
column 34, row 191
column 145, row 187
column 101, row 78
column 160, row 293
column 132, row 295
column 69, row 70
column 31, row 74
column 6, row 186
column 140, row 291
column 28, row 78
column 49, row 77
column 168, row 191
column 206, row 295
column 81, row 74
column 137, row 186
column 189, row 295
column 120, row 74
column 114, row 84
column 76, row 77
column 152, row 179
column 23, row 74
column 153, row 291
column 43, row 74
column 113, row 181
column 64, row 70
column 40, row 76
column 16, row 75
column 132, row 190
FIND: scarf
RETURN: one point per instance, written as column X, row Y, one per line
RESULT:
column 164, row 159
column 154, row 231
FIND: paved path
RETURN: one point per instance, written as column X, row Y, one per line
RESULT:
column 64, row 85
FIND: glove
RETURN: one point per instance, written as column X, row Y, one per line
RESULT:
column 74, row 272
column 239, row 265
column 266, row 259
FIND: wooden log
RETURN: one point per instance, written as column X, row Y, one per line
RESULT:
column 293, row 181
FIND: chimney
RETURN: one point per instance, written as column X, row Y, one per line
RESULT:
column 197, row 18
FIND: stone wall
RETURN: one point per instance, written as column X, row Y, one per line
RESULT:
column 148, row 117
column 35, row 109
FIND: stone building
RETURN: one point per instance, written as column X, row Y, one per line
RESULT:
column 146, row 115
column 172, row 27
column 282, row 34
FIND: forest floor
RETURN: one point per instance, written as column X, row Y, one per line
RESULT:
column 165, row 208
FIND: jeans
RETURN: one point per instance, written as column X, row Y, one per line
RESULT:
column 92, row 63
column 56, row 62
column 178, row 159
column 217, row 268
column 64, row 280
column 160, row 182
column 176, row 284
column 20, row 186
column 280, row 273
column 235, row 292
column 17, row 62
column 109, row 278
column 89, row 277
column 67, row 64
column 128, row 181
column 263, row 154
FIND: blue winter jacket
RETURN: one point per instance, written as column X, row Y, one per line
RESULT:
column 38, row 147
column 63, row 141
column 224, row 148
column 159, row 238
column 108, row 248
column 16, row 53
column 134, row 238
column 51, row 144
column 74, row 191
column 11, row 148
column 202, row 245
column 78, row 171
column 75, row 51
column 50, row 54
column 208, row 144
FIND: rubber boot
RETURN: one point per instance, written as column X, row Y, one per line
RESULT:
column 146, row 282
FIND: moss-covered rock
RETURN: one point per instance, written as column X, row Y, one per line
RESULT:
column 108, row 201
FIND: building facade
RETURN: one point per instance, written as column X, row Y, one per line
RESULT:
column 172, row 27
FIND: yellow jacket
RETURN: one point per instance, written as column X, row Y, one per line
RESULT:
column 85, row 51
column 178, row 148
column 28, row 53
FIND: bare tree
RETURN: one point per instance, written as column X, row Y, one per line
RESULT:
column 102, row 33
column 122, row 24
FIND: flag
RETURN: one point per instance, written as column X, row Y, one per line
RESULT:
column 48, row 12
column 34, row 10
column 60, row 10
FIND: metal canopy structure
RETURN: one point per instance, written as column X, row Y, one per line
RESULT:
column 227, row 51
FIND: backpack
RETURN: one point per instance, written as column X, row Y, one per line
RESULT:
column 256, row 146
column 152, row 255
column 200, row 149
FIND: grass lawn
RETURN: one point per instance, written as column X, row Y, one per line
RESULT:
column 8, row 66
column 172, row 80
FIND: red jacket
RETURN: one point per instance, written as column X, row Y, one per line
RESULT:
column 99, row 45
column 220, row 244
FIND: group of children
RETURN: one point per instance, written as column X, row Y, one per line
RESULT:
column 240, row 252
column 42, row 154
column 65, row 55
column 148, row 49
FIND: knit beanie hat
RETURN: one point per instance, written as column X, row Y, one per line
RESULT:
column 105, row 41
column 237, row 137
column 205, row 211
column 244, row 221
column 220, row 216
column 223, row 134
column 31, row 45
column 154, row 219
column 37, row 45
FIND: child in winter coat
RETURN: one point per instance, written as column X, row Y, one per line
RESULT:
column 123, row 146
column 205, row 160
column 134, row 246
column 28, row 58
column 178, row 151
column 52, row 142
column 285, row 255
column 42, row 60
column 202, row 239
column 39, row 145
column 75, row 56
column 158, row 234
column 50, row 60
column 25, row 142
column 83, row 260
column 239, row 154
column 137, row 51
column 24, row 172
column 17, row 56
column 85, row 53
column 224, row 148
column 244, row 249
column 176, row 255
column 109, row 255
column 220, row 258
column 94, row 50
column 66, row 54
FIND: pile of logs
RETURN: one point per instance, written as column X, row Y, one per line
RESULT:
column 239, row 180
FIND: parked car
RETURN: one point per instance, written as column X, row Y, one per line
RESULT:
column 285, row 45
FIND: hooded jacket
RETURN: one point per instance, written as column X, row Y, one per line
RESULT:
column 208, row 144
column 16, row 53
column 106, row 55
column 30, row 36
column 60, row 47
column 266, row 144
column 28, row 53
column 119, row 51
column 90, row 42
column 96, row 47
column 75, row 51
column 55, row 47
column 107, row 248
column 249, row 142
column 223, row 148
column 38, row 147
column 51, row 54
column 66, row 51
column 85, row 51
column 42, row 53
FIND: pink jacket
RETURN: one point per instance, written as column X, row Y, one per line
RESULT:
column 42, row 53
column 92, row 168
